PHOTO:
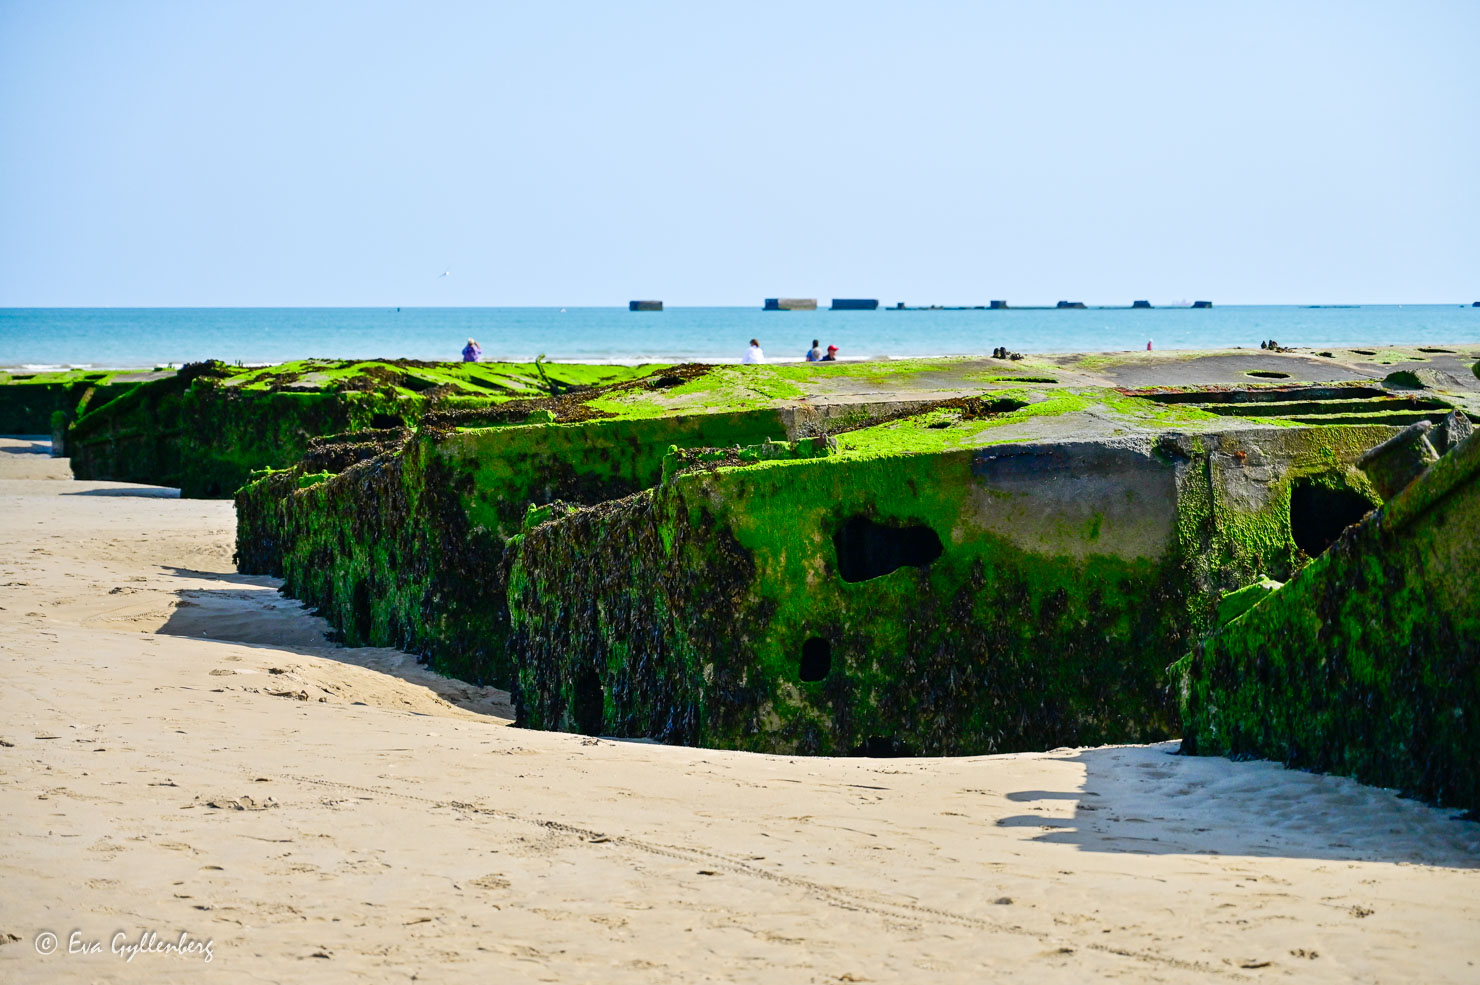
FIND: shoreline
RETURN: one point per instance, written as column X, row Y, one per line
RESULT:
column 1352, row 348
column 125, row 337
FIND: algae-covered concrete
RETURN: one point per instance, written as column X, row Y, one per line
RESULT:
column 1367, row 662
column 406, row 549
column 999, row 598
column 927, row 555
column 31, row 402
column 207, row 427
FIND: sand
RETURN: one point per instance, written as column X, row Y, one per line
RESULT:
column 185, row 753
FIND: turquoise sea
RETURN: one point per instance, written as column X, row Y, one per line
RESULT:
column 137, row 337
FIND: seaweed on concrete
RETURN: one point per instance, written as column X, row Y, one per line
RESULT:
column 1367, row 662
column 208, row 427
column 675, row 557
column 936, row 603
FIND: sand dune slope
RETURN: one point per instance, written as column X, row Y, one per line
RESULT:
column 184, row 753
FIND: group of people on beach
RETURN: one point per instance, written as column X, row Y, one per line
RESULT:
column 816, row 354
column 472, row 352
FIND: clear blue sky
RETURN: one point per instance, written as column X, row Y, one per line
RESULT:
column 217, row 153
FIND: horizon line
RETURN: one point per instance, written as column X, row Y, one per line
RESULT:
column 621, row 306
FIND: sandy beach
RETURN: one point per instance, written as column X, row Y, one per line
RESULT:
column 185, row 754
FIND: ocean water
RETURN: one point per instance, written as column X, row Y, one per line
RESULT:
column 139, row 337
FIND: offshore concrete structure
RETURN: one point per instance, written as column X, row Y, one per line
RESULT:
column 1000, row 304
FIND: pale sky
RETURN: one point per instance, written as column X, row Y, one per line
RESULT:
column 216, row 153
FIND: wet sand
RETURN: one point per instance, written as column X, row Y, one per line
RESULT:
column 184, row 752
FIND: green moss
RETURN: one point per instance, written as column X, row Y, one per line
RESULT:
column 895, row 371
column 710, row 586
column 1367, row 662
column 759, row 543
column 406, row 549
column 1241, row 600
column 207, row 428
column 920, row 434
column 28, row 400
column 493, row 380
column 510, row 467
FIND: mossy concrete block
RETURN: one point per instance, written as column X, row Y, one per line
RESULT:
column 1399, row 460
column 406, row 548
column 1367, row 662
column 27, row 401
column 983, row 600
column 1421, row 379
column 1453, row 430
column 206, row 428
column 59, row 434
column 958, row 575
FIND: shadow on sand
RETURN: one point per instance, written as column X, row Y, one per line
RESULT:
column 1149, row 800
column 38, row 445
column 147, row 492
column 1133, row 799
column 249, row 610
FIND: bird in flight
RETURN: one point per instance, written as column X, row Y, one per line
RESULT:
column 445, row 273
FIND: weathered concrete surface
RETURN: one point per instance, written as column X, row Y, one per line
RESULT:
column 1367, row 663
column 1114, row 498
column 1400, row 459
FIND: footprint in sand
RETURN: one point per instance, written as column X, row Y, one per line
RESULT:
column 242, row 803
column 491, row 881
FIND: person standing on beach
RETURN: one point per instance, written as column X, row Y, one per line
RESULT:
column 472, row 352
column 753, row 354
column 814, row 354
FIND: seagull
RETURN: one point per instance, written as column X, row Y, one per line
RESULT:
column 445, row 273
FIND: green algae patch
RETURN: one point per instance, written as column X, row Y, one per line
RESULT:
column 974, row 422
column 29, row 400
column 1241, row 600
column 384, row 551
column 890, row 370
column 731, row 387
column 491, row 379
column 714, row 585
column 509, row 468
column 198, row 433
column 208, row 427
column 406, row 547
column 1367, row 662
